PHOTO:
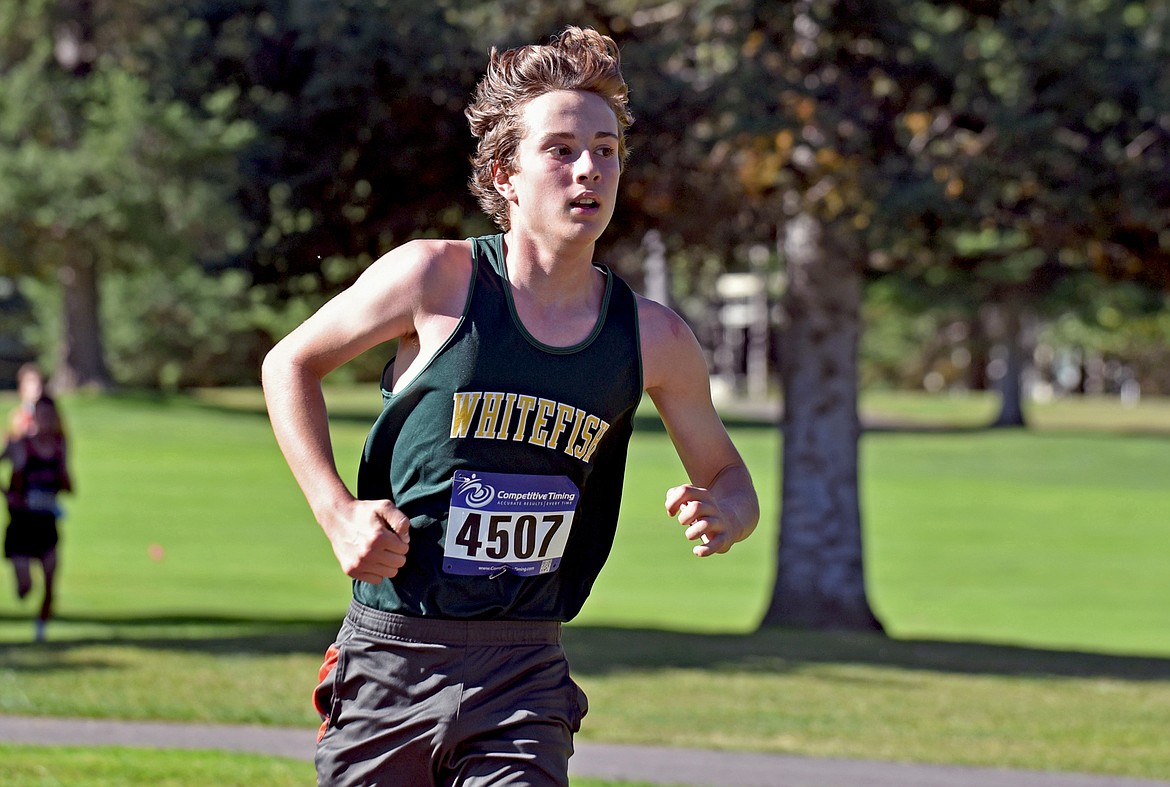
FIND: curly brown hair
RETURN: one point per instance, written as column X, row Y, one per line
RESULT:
column 577, row 59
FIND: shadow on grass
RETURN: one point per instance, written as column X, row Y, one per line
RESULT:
column 208, row 634
column 600, row 650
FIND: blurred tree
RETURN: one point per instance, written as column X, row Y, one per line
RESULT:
column 96, row 173
column 943, row 140
column 1107, row 338
column 805, row 98
column 1053, row 149
column 362, row 143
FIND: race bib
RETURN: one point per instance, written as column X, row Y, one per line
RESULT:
column 508, row 522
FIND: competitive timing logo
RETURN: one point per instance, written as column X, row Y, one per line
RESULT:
column 476, row 493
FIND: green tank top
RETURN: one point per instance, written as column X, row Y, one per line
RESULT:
column 508, row 456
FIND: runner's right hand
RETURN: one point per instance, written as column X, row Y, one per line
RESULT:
column 370, row 540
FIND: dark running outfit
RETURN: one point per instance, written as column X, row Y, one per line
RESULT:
column 32, row 502
column 508, row 456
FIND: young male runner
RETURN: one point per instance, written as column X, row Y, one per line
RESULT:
column 489, row 487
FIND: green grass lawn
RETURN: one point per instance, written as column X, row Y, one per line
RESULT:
column 1020, row 574
column 1058, row 536
column 27, row 766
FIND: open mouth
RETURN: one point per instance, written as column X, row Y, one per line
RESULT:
column 585, row 203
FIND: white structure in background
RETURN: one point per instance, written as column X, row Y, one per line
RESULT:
column 742, row 349
column 739, row 330
column 654, row 268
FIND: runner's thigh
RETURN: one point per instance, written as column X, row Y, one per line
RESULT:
column 388, row 704
column 520, row 710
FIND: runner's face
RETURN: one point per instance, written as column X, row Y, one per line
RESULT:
column 565, row 175
column 31, row 387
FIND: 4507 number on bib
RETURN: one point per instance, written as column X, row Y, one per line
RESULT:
column 508, row 522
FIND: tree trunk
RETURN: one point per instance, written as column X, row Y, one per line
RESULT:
column 81, row 359
column 1011, row 405
column 820, row 581
column 977, row 344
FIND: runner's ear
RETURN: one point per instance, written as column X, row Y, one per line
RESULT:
column 502, row 179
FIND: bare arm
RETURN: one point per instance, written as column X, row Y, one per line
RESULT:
column 369, row 537
column 719, row 507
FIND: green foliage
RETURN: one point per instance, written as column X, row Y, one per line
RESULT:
column 362, row 143
column 1119, row 333
column 179, row 330
column 94, row 161
column 170, row 329
column 929, row 130
column 1051, row 140
column 1091, row 340
column 98, row 173
column 903, row 339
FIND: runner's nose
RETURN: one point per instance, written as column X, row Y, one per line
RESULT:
column 587, row 169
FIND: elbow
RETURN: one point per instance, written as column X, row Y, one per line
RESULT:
column 273, row 367
column 279, row 368
column 287, row 367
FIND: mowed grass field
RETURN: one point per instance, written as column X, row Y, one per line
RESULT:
column 1022, row 577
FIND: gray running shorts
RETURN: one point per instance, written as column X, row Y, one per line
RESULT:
column 420, row 702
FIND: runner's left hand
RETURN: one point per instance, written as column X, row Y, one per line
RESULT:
column 698, row 510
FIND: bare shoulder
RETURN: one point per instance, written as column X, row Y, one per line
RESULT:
column 669, row 347
column 411, row 288
column 424, row 276
column 427, row 261
column 660, row 322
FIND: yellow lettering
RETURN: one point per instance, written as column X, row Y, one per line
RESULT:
column 489, row 414
column 506, row 417
column 461, row 415
column 542, row 422
column 524, row 405
column 578, row 417
column 564, row 413
column 602, row 428
column 591, row 423
column 544, row 411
